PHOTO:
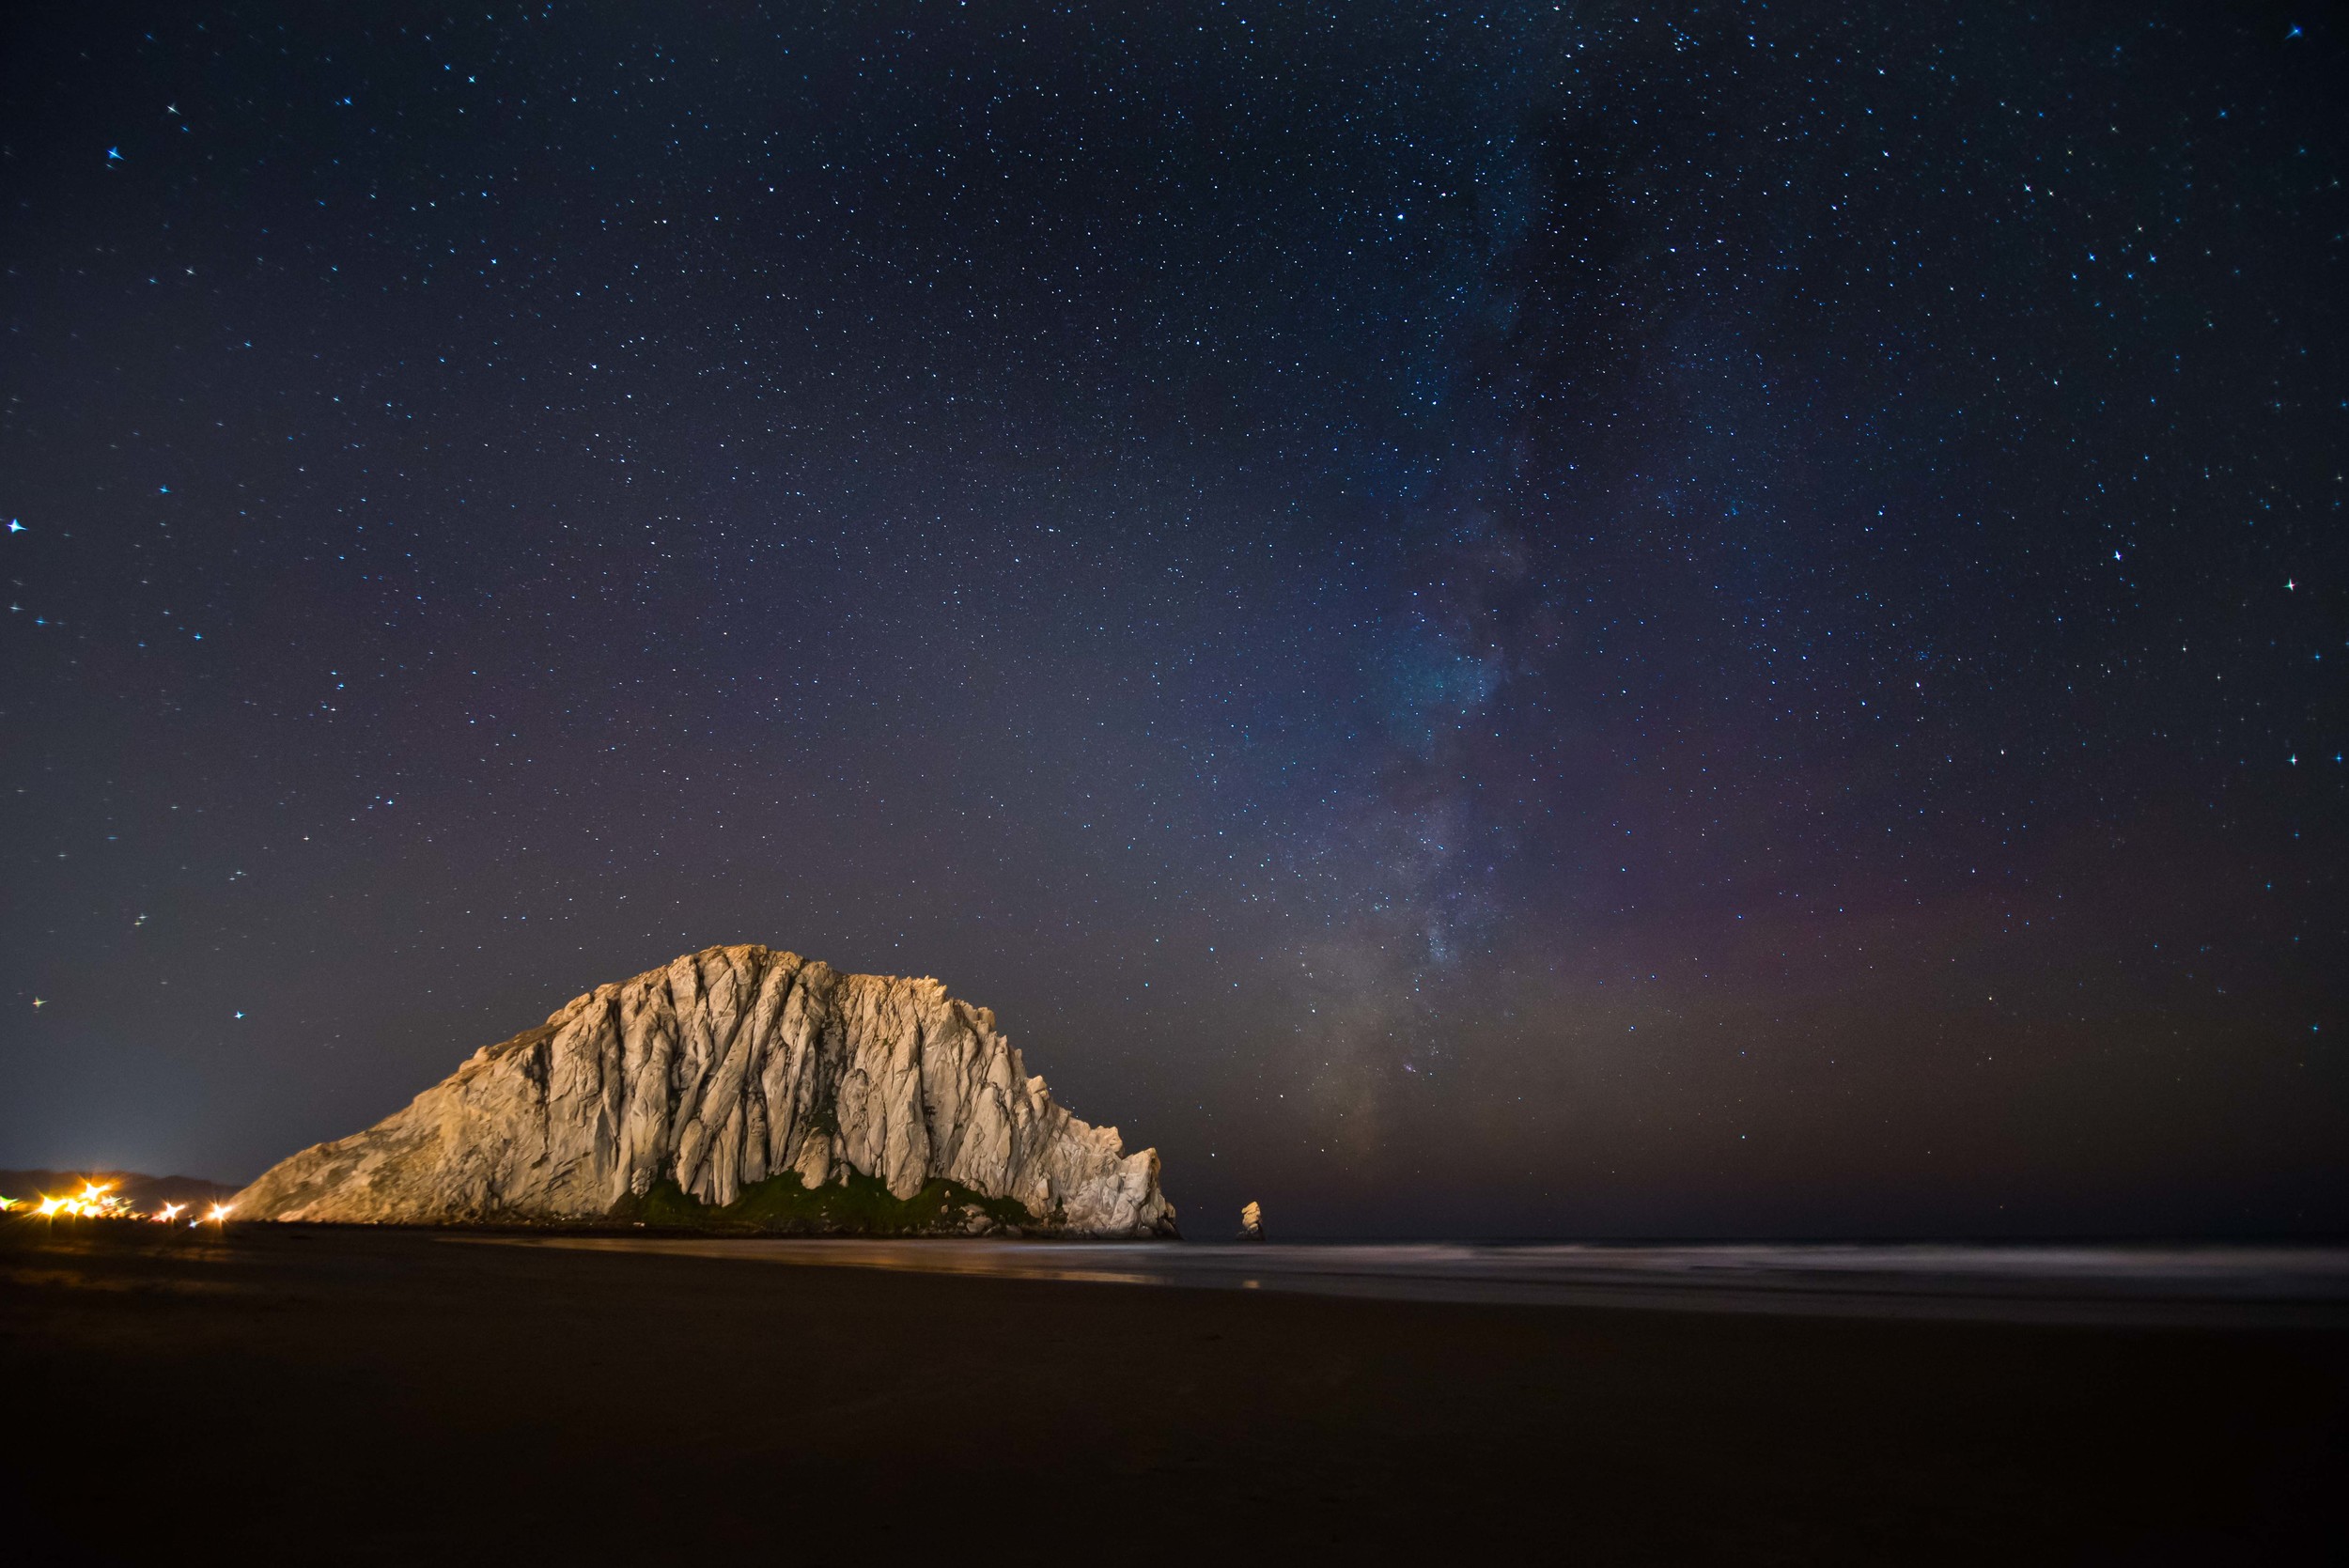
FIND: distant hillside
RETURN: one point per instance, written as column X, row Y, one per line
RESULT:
column 146, row 1192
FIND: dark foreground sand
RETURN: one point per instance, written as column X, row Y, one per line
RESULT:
column 297, row 1395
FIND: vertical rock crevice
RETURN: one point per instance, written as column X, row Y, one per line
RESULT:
column 717, row 1071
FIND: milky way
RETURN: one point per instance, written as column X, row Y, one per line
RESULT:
column 1602, row 618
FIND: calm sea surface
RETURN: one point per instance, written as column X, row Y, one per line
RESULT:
column 2116, row 1283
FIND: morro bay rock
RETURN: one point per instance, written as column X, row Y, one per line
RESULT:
column 726, row 1068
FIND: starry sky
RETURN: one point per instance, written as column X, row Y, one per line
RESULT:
column 1587, row 619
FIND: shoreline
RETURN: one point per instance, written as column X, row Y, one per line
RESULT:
column 384, row 1396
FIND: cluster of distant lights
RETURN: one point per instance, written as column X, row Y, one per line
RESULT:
column 99, row 1201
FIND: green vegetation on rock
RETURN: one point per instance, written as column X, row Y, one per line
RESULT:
column 862, row 1206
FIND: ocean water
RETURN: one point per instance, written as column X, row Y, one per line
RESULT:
column 2211, row 1285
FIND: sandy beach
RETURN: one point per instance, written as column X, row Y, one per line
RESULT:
column 384, row 1396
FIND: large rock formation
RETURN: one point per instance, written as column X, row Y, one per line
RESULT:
column 726, row 1068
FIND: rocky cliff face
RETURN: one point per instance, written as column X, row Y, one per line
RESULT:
column 727, row 1067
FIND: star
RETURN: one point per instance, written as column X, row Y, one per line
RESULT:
column 1405, row 724
column 40, row 1003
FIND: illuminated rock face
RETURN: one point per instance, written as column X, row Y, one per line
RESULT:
column 726, row 1067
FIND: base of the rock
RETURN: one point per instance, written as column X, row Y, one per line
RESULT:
column 855, row 1205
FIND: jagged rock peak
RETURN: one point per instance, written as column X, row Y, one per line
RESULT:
column 719, row 1070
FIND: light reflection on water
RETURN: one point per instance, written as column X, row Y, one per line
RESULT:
column 2116, row 1283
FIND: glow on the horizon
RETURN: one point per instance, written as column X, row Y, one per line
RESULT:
column 99, row 1201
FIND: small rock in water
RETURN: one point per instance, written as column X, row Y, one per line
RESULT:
column 1251, row 1222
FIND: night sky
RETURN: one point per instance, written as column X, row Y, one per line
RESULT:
column 1591, row 619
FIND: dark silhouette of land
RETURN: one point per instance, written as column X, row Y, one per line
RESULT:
column 290, row 1393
